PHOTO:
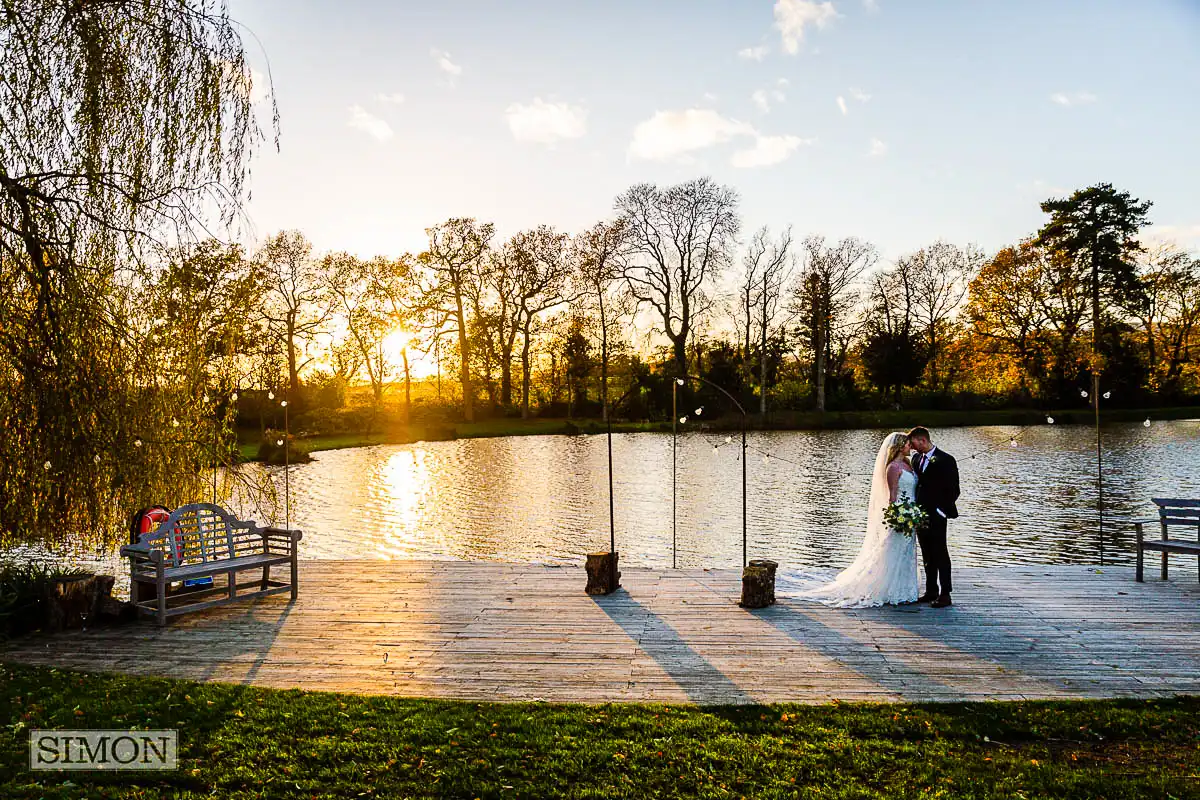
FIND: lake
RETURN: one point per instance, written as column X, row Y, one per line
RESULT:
column 544, row 498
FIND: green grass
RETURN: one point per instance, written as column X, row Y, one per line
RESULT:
column 241, row 742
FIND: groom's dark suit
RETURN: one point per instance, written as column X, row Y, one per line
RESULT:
column 937, row 489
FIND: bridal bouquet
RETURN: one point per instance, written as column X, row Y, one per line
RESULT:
column 905, row 517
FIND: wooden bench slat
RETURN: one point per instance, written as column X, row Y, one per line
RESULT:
column 1171, row 546
column 1160, row 501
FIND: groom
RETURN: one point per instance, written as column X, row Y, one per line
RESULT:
column 937, row 491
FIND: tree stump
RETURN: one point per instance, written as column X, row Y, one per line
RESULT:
column 602, row 574
column 758, row 584
column 67, row 600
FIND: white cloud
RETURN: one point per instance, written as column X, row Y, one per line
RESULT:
column 754, row 53
column 768, row 150
column 544, row 122
column 709, row 97
column 859, row 95
column 760, row 99
column 445, row 64
column 393, row 99
column 782, row 83
column 871, row 5
column 370, row 124
column 878, row 148
column 792, row 16
column 1074, row 99
column 672, row 134
column 841, row 101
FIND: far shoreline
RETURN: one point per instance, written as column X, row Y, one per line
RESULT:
column 776, row 421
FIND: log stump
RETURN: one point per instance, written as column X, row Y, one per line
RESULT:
column 758, row 584
column 602, row 574
column 69, row 599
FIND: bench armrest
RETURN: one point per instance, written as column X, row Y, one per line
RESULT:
column 284, row 533
column 142, row 551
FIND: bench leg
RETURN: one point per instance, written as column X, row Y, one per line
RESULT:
column 160, row 588
column 295, row 571
column 1138, row 531
column 266, row 577
column 1164, row 566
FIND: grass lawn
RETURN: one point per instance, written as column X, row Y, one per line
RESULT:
column 244, row 742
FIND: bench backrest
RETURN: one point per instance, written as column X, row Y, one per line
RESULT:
column 1178, row 512
column 201, row 533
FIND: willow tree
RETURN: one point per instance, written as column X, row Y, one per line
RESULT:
column 124, row 126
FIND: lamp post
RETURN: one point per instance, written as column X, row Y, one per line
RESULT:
column 745, row 417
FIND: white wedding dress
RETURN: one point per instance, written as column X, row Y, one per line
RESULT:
column 885, row 570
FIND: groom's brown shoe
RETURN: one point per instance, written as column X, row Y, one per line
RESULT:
column 928, row 597
column 941, row 602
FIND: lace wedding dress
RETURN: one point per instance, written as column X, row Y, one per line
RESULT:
column 885, row 570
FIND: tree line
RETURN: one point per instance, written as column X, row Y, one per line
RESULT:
column 545, row 322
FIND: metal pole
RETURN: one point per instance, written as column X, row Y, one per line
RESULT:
column 287, row 489
column 743, row 490
column 1099, row 460
column 674, row 426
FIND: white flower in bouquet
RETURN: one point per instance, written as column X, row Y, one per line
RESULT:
column 905, row 517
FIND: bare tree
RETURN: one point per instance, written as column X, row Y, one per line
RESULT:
column 456, row 250
column 766, row 269
column 598, row 252
column 940, row 275
column 542, row 261
column 298, row 306
column 824, row 300
column 681, row 239
column 1171, row 311
column 356, row 290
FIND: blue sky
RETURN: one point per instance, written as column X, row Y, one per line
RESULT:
column 898, row 121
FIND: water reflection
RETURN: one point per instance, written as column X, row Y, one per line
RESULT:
column 544, row 498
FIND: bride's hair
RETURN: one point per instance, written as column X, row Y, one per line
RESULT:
column 895, row 445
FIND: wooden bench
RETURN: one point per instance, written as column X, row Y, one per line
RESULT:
column 200, row 540
column 1171, row 514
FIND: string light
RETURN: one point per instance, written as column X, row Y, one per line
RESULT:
column 1083, row 393
column 1107, row 395
column 679, row 381
column 270, row 395
column 233, row 397
column 716, row 449
column 1050, row 420
column 46, row 466
column 1012, row 441
column 699, row 410
column 1146, row 424
column 96, row 458
column 137, row 442
column 728, row 439
column 279, row 442
column 174, row 423
column 283, row 404
column 682, row 420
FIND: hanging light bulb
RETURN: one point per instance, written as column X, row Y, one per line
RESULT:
column 279, row 442
column 233, row 397
column 1012, row 442
column 682, row 420
column 1146, row 424
column 137, row 442
column 679, row 381
column 1083, row 392
column 698, row 410
column 96, row 458
column 715, row 449
column 207, row 400
column 270, row 395
column 174, row 423
column 1050, row 420
column 1107, row 395
column 766, row 459
column 46, row 466
column 728, row 439
column 283, row 404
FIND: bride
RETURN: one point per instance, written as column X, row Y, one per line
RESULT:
column 885, row 570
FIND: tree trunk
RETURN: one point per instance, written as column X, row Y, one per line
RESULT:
column 821, row 367
column 758, row 584
column 602, row 575
column 464, row 350
column 679, row 344
column 293, row 374
column 525, row 375
column 407, row 389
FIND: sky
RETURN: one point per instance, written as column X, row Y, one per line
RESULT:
column 897, row 121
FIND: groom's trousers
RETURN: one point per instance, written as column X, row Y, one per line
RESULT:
column 936, row 555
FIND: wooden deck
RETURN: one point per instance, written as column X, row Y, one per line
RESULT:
column 487, row 631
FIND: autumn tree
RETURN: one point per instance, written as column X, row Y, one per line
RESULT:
column 940, row 276
column 766, row 269
column 298, row 305
column 456, row 251
column 681, row 240
column 542, row 266
column 1170, row 315
column 598, row 259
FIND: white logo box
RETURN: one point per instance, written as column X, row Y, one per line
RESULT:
column 103, row 750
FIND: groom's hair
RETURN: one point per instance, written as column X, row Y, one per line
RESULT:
column 920, row 433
